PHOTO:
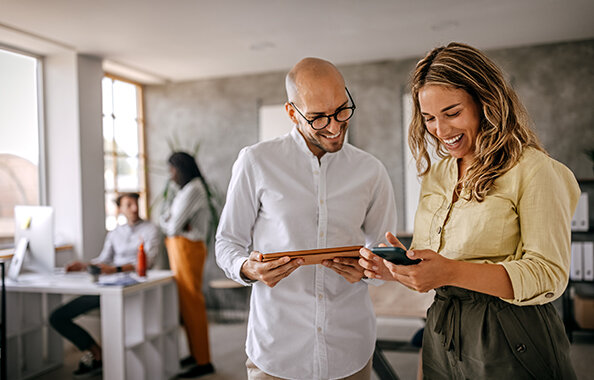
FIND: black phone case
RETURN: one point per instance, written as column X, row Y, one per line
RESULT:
column 395, row 255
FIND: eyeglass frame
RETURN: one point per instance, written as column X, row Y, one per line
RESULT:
column 329, row 117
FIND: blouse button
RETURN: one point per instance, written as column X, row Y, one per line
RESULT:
column 549, row 295
column 521, row 347
column 439, row 230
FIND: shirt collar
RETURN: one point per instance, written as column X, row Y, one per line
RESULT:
column 132, row 226
column 300, row 140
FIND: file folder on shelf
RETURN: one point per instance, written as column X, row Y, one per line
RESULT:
column 576, row 268
column 588, row 252
column 580, row 220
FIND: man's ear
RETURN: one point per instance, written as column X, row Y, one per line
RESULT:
column 291, row 112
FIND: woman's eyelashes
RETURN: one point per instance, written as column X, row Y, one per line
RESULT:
column 453, row 114
column 428, row 118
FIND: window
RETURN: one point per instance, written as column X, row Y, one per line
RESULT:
column 21, row 165
column 123, row 145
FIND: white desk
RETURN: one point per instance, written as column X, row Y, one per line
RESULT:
column 139, row 325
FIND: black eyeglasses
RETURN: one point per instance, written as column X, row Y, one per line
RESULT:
column 341, row 115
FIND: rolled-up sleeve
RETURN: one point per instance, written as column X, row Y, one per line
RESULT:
column 234, row 234
column 547, row 201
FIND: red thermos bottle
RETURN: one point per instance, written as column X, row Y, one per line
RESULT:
column 141, row 261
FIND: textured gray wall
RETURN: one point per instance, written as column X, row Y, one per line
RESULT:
column 555, row 83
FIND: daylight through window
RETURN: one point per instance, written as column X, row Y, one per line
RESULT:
column 123, row 145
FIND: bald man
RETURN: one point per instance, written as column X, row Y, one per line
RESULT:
column 307, row 189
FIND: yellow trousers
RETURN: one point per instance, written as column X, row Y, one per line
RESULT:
column 187, row 258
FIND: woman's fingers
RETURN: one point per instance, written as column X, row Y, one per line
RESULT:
column 394, row 240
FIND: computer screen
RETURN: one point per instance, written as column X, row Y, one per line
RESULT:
column 36, row 223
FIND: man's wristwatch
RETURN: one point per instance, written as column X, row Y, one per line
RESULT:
column 118, row 269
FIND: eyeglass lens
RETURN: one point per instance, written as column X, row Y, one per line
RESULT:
column 340, row 116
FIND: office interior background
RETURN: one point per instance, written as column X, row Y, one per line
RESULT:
column 207, row 70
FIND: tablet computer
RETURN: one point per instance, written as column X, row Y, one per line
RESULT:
column 316, row 256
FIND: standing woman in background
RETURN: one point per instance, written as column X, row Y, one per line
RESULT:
column 493, row 227
column 185, row 222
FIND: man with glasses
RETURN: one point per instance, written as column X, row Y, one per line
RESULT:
column 307, row 189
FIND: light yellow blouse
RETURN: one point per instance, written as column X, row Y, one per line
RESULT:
column 524, row 223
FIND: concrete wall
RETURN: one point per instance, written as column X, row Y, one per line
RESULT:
column 555, row 82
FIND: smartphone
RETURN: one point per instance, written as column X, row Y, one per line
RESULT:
column 395, row 255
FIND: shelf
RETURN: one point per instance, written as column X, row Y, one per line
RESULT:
column 146, row 315
column 135, row 360
column 582, row 235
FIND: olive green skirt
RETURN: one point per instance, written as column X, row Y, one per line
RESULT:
column 471, row 335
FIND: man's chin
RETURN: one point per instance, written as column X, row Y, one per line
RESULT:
column 333, row 148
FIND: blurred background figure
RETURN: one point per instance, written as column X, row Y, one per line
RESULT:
column 185, row 221
column 118, row 255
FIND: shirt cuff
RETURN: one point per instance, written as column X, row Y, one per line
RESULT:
column 237, row 272
column 525, row 292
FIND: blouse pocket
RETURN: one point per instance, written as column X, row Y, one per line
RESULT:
column 478, row 229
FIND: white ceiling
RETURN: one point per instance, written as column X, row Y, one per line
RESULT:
column 179, row 40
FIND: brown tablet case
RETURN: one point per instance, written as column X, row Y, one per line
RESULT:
column 315, row 256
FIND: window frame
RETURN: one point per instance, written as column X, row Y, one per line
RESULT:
column 42, row 198
column 142, row 156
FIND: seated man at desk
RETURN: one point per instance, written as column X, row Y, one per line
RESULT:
column 118, row 255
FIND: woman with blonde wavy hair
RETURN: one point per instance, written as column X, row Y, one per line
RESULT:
column 492, row 229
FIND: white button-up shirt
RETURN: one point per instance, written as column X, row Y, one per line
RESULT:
column 313, row 324
column 121, row 244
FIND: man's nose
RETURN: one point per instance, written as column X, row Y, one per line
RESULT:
column 334, row 126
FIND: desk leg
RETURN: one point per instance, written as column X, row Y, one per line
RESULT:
column 112, row 336
column 381, row 366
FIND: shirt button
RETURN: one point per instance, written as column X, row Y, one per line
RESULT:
column 321, row 201
column 439, row 230
column 320, row 296
column 549, row 295
column 319, row 329
column 321, row 234
column 521, row 347
column 316, row 172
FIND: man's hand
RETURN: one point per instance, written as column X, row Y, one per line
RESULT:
column 347, row 267
column 76, row 266
column 271, row 272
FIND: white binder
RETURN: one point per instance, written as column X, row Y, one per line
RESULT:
column 576, row 268
column 588, row 252
column 580, row 220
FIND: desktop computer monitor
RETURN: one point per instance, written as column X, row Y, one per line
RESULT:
column 36, row 224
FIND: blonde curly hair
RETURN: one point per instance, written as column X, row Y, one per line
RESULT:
column 504, row 128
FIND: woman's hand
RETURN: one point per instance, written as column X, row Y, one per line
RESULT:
column 374, row 265
column 432, row 272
